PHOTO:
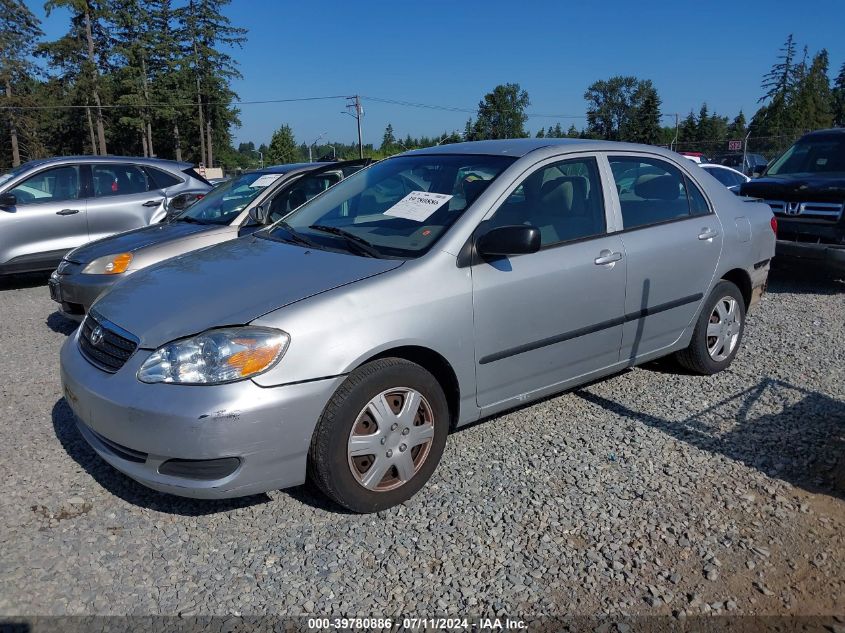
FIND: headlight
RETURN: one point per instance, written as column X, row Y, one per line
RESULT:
column 216, row 356
column 109, row 265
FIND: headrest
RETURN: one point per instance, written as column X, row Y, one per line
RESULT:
column 654, row 187
column 473, row 189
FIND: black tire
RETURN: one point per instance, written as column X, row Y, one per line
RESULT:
column 328, row 460
column 696, row 357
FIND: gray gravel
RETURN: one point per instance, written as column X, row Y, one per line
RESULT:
column 649, row 492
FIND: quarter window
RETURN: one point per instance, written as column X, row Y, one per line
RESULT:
column 697, row 203
column 563, row 200
column 119, row 180
column 650, row 191
column 50, row 185
column 161, row 179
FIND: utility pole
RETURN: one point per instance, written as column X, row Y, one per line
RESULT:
column 355, row 102
column 675, row 140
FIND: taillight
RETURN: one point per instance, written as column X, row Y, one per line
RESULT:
column 774, row 224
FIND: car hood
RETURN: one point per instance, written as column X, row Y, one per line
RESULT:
column 231, row 283
column 798, row 188
column 136, row 239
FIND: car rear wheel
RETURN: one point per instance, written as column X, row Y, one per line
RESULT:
column 380, row 436
column 718, row 331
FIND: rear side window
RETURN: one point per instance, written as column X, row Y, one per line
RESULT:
column 119, row 180
column 650, row 190
column 161, row 179
column 193, row 173
column 697, row 202
column 299, row 193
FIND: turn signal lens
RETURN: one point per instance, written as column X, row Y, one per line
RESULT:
column 119, row 264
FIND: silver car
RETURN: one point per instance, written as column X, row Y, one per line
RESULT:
column 49, row 206
column 421, row 294
column 224, row 214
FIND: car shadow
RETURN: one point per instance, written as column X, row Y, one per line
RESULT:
column 61, row 324
column 128, row 489
column 19, row 281
column 795, row 278
column 802, row 443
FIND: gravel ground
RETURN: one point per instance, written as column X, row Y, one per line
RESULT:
column 649, row 492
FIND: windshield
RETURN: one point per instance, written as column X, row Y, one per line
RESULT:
column 396, row 208
column 223, row 203
column 820, row 155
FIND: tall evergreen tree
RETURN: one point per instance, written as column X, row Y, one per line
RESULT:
column 644, row 121
column 813, row 101
column 283, row 147
column 839, row 98
column 19, row 29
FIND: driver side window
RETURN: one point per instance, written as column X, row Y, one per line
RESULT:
column 51, row 185
column 563, row 200
column 299, row 193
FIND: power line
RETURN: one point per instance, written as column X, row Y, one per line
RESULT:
column 185, row 104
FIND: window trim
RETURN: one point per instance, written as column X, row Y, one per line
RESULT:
column 81, row 191
column 544, row 164
column 654, row 156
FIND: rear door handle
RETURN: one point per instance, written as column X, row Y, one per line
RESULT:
column 707, row 234
column 607, row 257
column 152, row 203
column 67, row 211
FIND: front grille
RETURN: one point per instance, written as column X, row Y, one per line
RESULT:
column 124, row 452
column 820, row 211
column 104, row 344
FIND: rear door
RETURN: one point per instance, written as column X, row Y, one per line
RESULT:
column 123, row 197
column 672, row 242
column 47, row 222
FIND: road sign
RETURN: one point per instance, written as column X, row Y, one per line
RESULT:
column 734, row 146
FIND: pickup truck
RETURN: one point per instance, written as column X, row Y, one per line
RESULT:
column 805, row 188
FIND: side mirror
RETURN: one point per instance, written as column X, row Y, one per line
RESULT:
column 8, row 200
column 509, row 240
column 260, row 214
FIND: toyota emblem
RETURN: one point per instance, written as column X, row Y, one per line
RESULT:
column 96, row 336
column 792, row 208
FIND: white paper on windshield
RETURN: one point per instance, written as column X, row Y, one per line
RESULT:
column 265, row 181
column 418, row 205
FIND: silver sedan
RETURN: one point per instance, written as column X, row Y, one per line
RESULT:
column 419, row 295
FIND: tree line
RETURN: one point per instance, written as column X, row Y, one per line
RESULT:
column 152, row 78
column 136, row 77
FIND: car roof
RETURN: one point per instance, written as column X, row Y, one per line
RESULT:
column 289, row 167
column 87, row 158
column 833, row 131
column 519, row 147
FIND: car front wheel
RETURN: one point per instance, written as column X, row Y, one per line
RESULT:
column 718, row 331
column 380, row 436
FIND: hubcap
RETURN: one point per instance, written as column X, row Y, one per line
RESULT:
column 723, row 328
column 391, row 439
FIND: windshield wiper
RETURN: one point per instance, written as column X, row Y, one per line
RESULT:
column 356, row 241
column 295, row 236
column 188, row 219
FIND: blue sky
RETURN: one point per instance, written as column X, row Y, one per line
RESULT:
column 450, row 53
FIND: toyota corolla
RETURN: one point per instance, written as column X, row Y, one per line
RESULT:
column 421, row 294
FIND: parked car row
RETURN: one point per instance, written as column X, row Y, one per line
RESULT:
column 223, row 214
column 50, row 206
column 340, row 331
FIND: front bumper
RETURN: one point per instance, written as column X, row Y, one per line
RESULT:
column 75, row 293
column 829, row 256
column 137, row 427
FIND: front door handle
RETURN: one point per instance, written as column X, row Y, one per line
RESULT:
column 152, row 203
column 67, row 211
column 707, row 234
column 607, row 257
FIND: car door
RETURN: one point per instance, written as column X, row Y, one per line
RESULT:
column 47, row 220
column 544, row 318
column 123, row 197
column 672, row 241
